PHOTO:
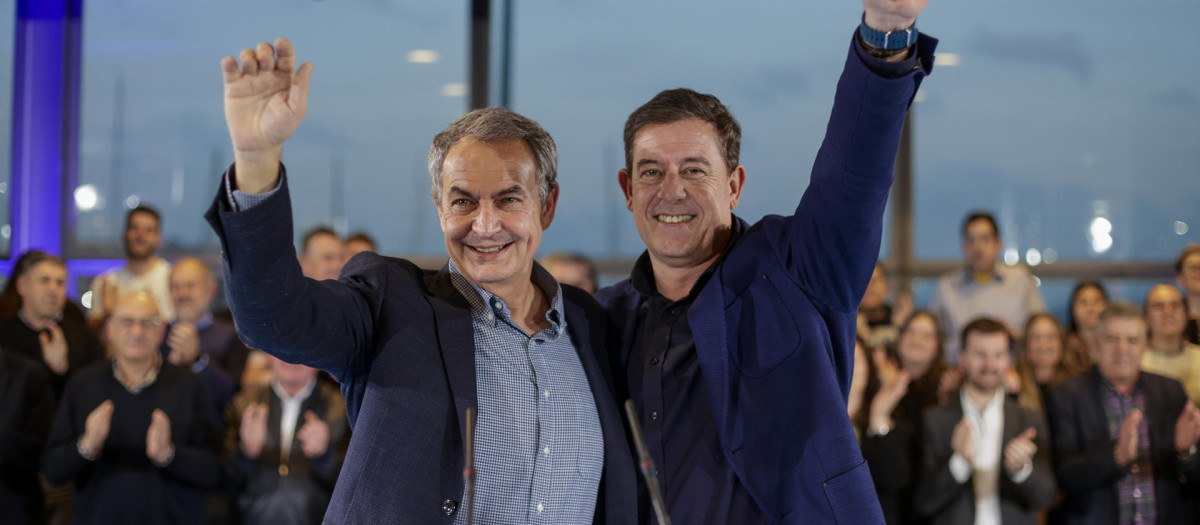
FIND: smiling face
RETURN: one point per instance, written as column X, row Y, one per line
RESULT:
column 490, row 211
column 985, row 360
column 680, row 192
column 1122, row 342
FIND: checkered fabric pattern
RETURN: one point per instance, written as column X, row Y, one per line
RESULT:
column 1135, row 489
column 539, row 451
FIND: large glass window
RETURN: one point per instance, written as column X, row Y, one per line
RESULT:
column 388, row 76
column 580, row 68
column 8, row 11
column 1074, row 122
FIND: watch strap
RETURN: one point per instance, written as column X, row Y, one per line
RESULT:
column 892, row 40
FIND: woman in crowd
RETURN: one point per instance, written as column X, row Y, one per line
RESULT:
column 1087, row 301
column 909, row 382
column 1041, row 360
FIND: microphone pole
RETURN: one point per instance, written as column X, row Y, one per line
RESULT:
column 646, row 463
column 469, row 469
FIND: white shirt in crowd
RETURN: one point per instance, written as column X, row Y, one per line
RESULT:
column 118, row 281
column 290, row 413
column 987, row 429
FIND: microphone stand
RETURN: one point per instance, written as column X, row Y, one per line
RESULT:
column 647, row 466
column 469, row 469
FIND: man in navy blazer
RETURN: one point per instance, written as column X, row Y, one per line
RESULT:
column 414, row 349
column 738, row 339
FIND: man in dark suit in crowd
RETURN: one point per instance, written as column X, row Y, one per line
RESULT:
column 208, row 345
column 986, row 459
column 135, row 434
column 283, row 446
column 1124, row 440
column 43, row 331
column 738, row 343
column 26, row 409
column 414, row 349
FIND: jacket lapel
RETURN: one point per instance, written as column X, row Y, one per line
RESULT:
column 456, row 341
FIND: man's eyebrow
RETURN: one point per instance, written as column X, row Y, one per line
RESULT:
column 455, row 190
column 515, row 189
column 644, row 162
column 698, row 160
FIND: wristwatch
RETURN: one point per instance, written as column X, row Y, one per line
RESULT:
column 889, row 40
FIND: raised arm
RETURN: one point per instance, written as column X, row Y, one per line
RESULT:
column 327, row 324
column 833, row 239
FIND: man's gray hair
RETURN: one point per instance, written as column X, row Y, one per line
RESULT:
column 491, row 124
column 1120, row 310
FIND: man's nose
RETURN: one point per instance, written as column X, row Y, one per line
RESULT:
column 673, row 188
column 487, row 220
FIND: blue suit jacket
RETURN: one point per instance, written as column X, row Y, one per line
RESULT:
column 399, row 339
column 774, row 327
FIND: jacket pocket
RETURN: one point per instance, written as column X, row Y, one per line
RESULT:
column 852, row 497
column 767, row 334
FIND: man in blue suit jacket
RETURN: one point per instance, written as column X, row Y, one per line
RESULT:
column 414, row 349
column 738, row 340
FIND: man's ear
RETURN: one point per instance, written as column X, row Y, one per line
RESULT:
column 549, row 206
column 626, row 182
column 737, row 181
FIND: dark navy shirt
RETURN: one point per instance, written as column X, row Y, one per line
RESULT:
column 697, row 482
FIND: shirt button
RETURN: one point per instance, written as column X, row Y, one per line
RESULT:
column 546, row 394
column 654, row 416
column 541, row 507
column 546, row 451
column 449, row 506
column 1134, row 469
column 654, row 361
column 1137, row 493
column 491, row 317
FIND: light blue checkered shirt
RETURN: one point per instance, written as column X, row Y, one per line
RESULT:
column 539, row 450
column 538, row 444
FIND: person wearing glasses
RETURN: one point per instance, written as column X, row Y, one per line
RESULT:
column 136, row 434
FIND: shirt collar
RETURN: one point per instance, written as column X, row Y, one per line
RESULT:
column 21, row 316
column 489, row 309
column 969, row 276
column 992, row 407
column 301, row 394
column 204, row 322
column 642, row 278
column 144, row 383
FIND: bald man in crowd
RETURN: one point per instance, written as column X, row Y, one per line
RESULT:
column 135, row 433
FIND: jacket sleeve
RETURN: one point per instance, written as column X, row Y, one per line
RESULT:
column 936, row 487
column 195, row 461
column 833, row 238
column 322, row 324
column 1037, row 491
column 22, row 446
column 1082, row 462
column 61, row 461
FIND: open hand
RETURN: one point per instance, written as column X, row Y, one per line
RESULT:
column 95, row 428
column 1127, row 439
column 54, row 348
column 313, row 436
column 1020, row 451
column 158, row 438
column 265, row 100
column 963, row 442
column 184, row 343
column 253, row 432
column 1187, row 429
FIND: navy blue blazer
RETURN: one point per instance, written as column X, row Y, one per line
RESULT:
column 399, row 339
column 774, row 327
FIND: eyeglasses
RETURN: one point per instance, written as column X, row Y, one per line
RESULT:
column 127, row 323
